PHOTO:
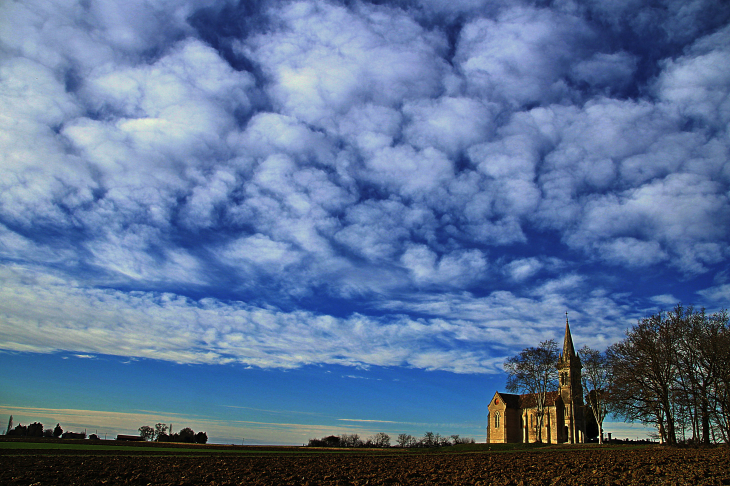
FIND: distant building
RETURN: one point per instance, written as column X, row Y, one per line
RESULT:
column 132, row 438
column 513, row 418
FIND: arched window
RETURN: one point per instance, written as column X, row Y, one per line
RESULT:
column 496, row 420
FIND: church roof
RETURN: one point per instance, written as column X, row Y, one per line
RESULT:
column 510, row 400
column 528, row 400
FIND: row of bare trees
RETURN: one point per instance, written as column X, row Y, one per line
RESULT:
column 382, row 440
column 672, row 371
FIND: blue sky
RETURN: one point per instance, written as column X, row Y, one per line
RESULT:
column 277, row 220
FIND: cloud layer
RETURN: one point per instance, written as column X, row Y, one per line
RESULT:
column 426, row 184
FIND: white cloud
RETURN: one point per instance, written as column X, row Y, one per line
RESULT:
column 632, row 252
column 271, row 133
column 451, row 270
column 448, row 124
column 717, row 295
column 521, row 57
column 456, row 337
column 697, row 84
column 671, row 213
column 413, row 174
column 319, row 70
column 665, row 299
column 606, row 71
column 523, row 268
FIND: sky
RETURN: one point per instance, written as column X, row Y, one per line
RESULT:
column 279, row 220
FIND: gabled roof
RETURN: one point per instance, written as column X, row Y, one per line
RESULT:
column 510, row 399
column 529, row 400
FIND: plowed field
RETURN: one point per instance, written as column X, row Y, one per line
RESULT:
column 651, row 465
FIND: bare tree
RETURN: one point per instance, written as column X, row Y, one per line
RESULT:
column 350, row 440
column 146, row 432
column 428, row 439
column 160, row 431
column 406, row 440
column 596, row 382
column 380, row 439
column 720, row 392
column 697, row 359
column 534, row 371
column 644, row 370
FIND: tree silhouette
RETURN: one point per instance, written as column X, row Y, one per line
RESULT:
column 534, row 371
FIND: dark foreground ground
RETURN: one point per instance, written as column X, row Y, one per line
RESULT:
column 584, row 466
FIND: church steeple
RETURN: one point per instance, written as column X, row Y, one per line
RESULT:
column 569, row 360
column 571, row 388
column 568, row 349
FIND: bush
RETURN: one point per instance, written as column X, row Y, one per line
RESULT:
column 186, row 435
column 331, row 441
column 35, row 430
column 201, row 438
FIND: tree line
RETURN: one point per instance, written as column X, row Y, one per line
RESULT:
column 163, row 433
column 160, row 433
column 382, row 440
column 36, row 430
column 671, row 371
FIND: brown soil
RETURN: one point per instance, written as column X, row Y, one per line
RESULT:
column 574, row 467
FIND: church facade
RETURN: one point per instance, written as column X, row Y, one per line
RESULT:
column 513, row 418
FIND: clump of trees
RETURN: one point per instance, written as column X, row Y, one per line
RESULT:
column 160, row 434
column 382, row 440
column 33, row 430
column 351, row 440
column 36, row 430
column 672, row 371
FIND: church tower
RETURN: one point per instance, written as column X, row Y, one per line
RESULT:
column 571, row 391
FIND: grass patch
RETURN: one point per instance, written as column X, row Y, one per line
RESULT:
column 152, row 448
column 492, row 447
column 103, row 447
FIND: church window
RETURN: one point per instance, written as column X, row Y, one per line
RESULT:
column 496, row 420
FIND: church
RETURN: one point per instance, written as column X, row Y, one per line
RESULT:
column 513, row 418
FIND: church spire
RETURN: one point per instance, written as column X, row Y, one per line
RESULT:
column 568, row 349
